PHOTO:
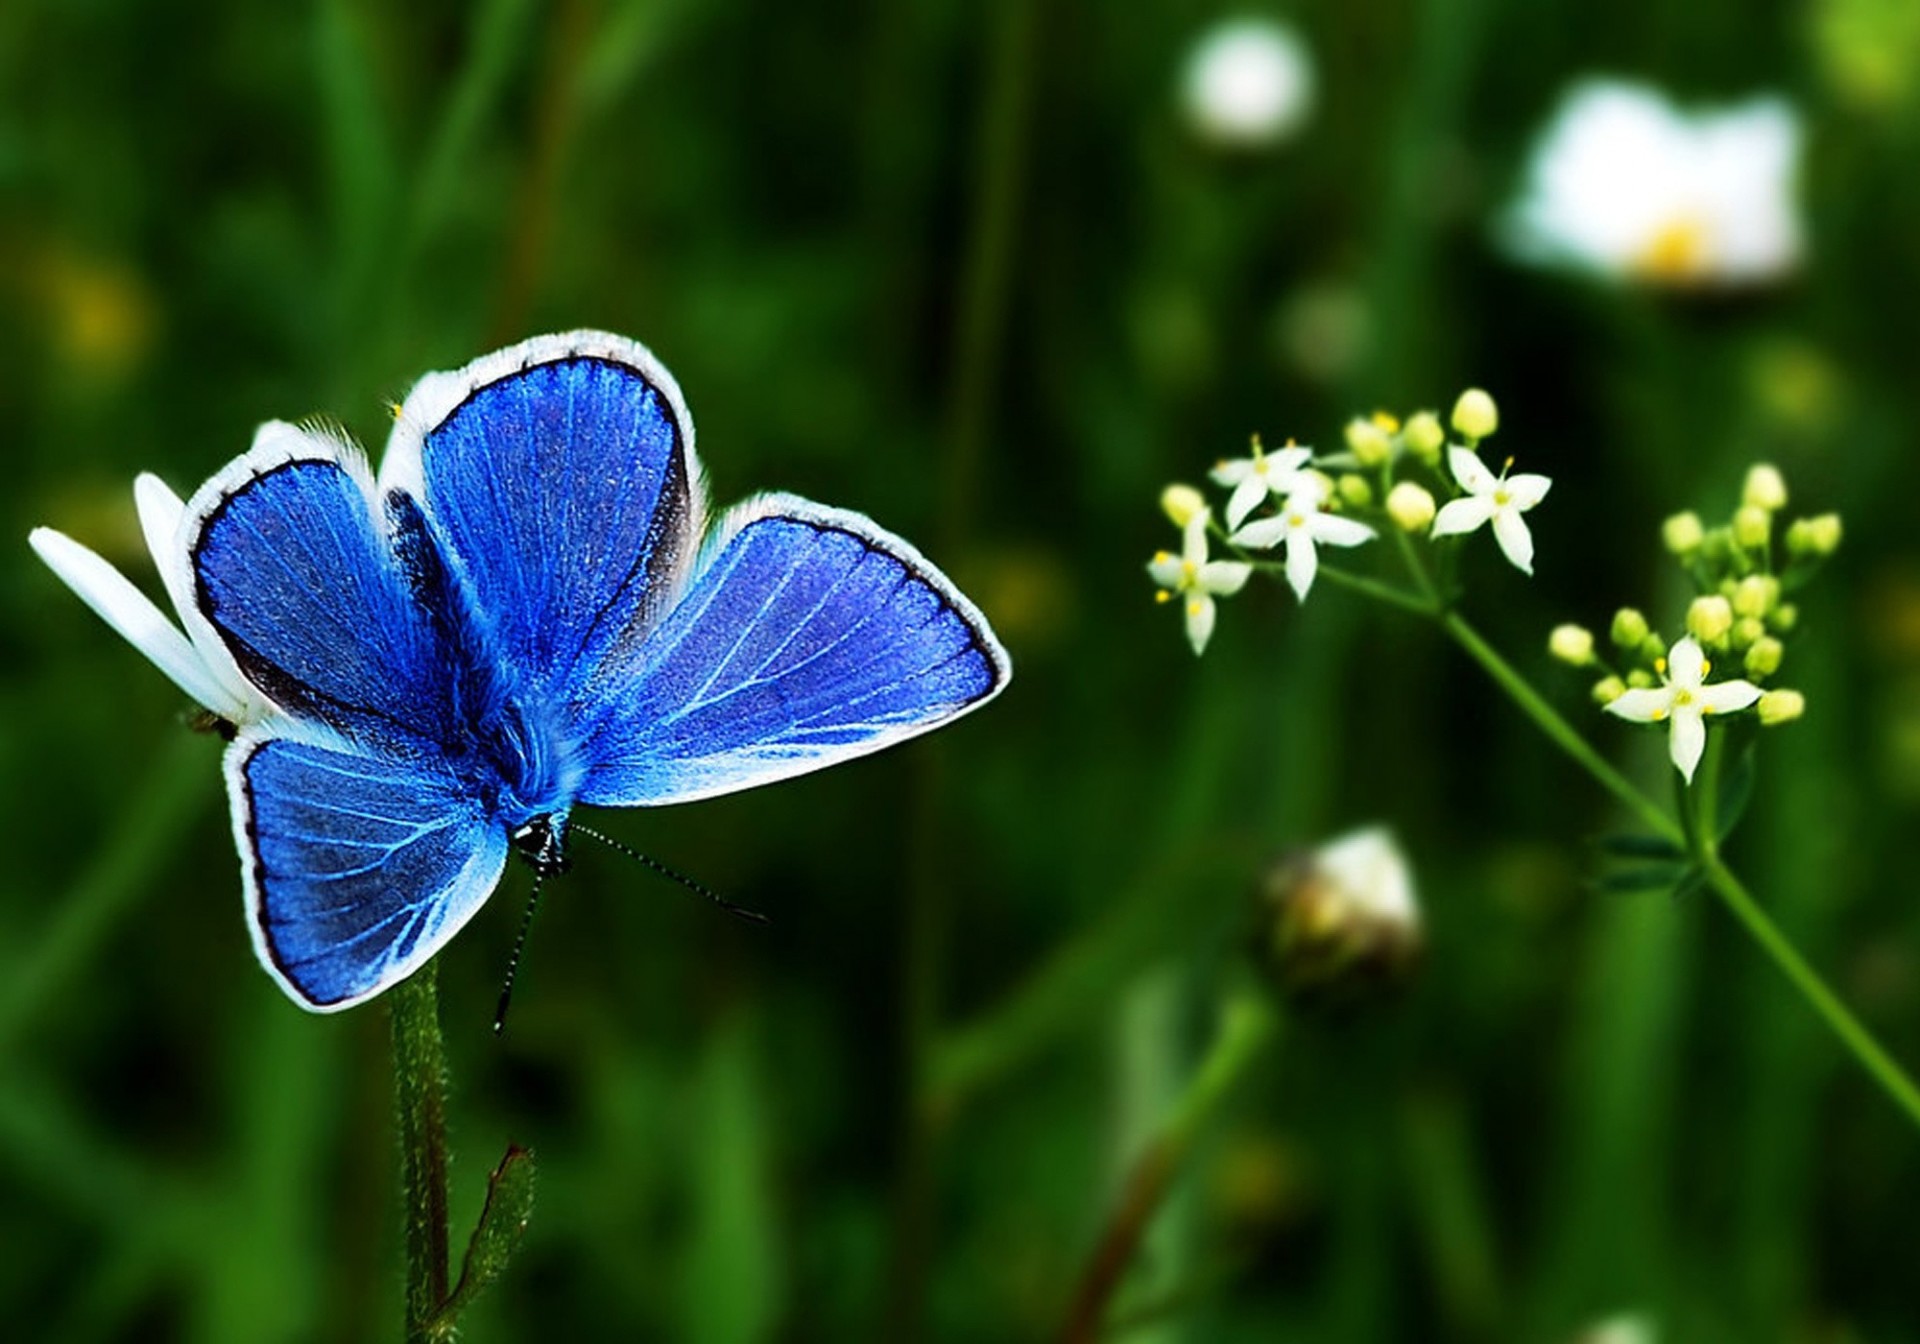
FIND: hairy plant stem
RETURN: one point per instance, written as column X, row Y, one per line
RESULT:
column 420, row 1092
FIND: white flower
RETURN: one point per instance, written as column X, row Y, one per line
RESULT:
column 199, row 664
column 1301, row 524
column 1248, row 83
column 1625, row 185
column 1685, row 701
column 1197, row 580
column 1501, row 499
column 1254, row 478
column 1369, row 870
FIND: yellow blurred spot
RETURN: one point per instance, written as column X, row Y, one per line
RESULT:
column 101, row 314
column 1163, row 596
column 1388, row 423
column 1676, row 254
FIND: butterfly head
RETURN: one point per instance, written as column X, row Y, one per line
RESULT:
column 542, row 842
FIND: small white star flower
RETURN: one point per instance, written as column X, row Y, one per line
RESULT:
column 1500, row 499
column 1196, row 580
column 1301, row 525
column 1684, row 702
column 1255, row 478
column 194, row 661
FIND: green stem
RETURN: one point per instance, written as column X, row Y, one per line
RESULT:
column 1562, row 733
column 1359, row 583
column 420, row 1089
column 1248, row 1024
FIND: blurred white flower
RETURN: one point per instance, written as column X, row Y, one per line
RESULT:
column 1500, row 499
column 1370, row 871
column 1197, row 580
column 1248, row 83
column 1625, row 185
column 1685, row 701
column 195, row 661
column 1301, row 525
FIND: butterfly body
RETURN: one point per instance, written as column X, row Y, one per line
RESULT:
column 527, row 612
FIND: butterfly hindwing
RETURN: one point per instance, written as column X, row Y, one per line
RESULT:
column 292, row 567
column 358, row 866
column 561, row 479
column 806, row 636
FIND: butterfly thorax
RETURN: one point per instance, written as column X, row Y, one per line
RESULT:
column 525, row 767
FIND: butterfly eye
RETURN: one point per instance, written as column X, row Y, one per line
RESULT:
column 542, row 842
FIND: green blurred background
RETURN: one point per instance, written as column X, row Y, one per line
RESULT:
column 964, row 267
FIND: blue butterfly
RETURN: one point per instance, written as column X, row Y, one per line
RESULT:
column 527, row 612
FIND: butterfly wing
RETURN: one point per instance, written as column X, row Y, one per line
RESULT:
column 805, row 636
column 294, row 570
column 358, row 864
column 560, row 479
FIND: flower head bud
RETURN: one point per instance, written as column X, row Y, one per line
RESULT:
column 1682, row 533
column 1572, row 644
column 1356, row 491
column 1630, row 628
column 1777, row 707
column 1755, row 595
column 1370, row 443
column 1410, row 507
column 1182, row 504
column 1608, row 689
column 1474, row 414
column 1639, row 679
column 1340, row 925
column 1652, row 648
column 1709, row 619
column 1816, row 536
column 1764, row 655
column 1424, row 437
column 1752, row 527
column 1784, row 617
column 1747, row 631
column 1765, row 489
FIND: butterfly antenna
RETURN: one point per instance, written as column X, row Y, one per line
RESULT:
column 697, row 888
column 513, row 962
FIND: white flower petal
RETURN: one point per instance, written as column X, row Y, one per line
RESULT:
column 1167, row 570
column 1688, row 740
column 1232, row 472
column 1726, row 697
column 1193, row 542
column 1338, row 531
column 1224, row 577
column 1200, row 614
column 1686, row 664
column 1247, row 496
column 1510, row 530
column 1527, row 489
column 1475, row 476
column 1649, row 704
column 131, row 614
column 1287, row 462
column 1260, row 534
column 1302, row 562
column 1462, row 515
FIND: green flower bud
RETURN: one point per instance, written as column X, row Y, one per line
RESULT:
column 1755, row 595
column 1410, row 507
column 1747, row 630
column 1182, row 504
column 1355, row 491
column 1710, row 619
column 1752, row 527
column 1763, row 657
column 1639, row 679
column 1370, row 444
column 1608, row 689
column 1474, row 414
column 1784, row 617
column 1682, row 533
column 1765, row 488
column 1818, row 536
column 1572, row 644
column 1424, row 437
column 1777, row 707
column 1652, row 648
column 1629, row 628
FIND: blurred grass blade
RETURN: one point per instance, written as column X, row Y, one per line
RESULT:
column 503, row 1222
column 1659, row 877
column 731, row 1279
column 496, row 36
column 1629, row 846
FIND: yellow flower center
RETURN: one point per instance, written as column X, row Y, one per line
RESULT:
column 1682, row 698
column 1676, row 254
column 1502, row 497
